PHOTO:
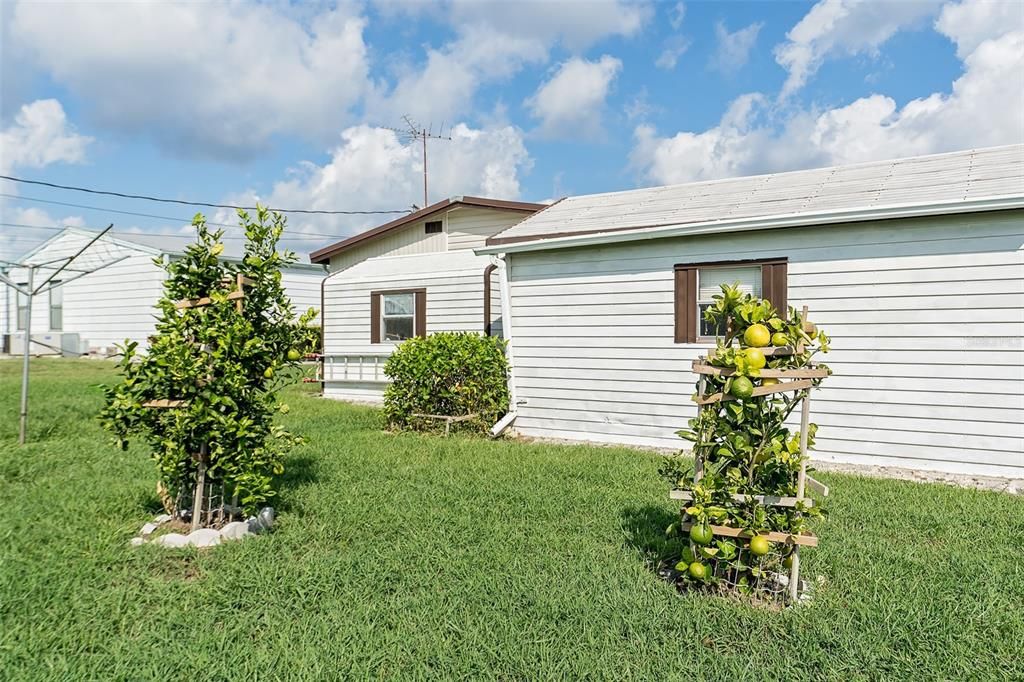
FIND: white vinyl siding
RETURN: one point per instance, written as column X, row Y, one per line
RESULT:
column 927, row 317
column 117, row 302
column 454, row 285
column 469, row 228
column 406, row 241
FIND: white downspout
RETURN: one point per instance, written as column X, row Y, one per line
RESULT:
column 506, row 331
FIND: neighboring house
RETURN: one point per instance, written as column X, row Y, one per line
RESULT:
column 913, row 266
column 102, row 309
column 412, row 276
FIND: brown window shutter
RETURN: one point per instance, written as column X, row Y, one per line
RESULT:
column 375, row 317
column 686, row 305
column 420, row 319
column 775, row 284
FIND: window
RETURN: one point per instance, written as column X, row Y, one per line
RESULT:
column 22, row 307
column 709, row 283
column 696, row 283
column 56, row 307
column 397, row 315
column 433, row 227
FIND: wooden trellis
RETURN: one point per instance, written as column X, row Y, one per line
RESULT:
column 203, row 496
column 799, row 380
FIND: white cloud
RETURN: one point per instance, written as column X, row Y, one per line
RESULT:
column 982, row 108
column 733, row 49
column 970, row 23
column 844, row 27
column 372, row 170
column 443, row 88
column 574, row 25
column 572, row 101
column 674, row 49
column 676, row 15
column 39, row 136
column 494, row 41
column 217, row 79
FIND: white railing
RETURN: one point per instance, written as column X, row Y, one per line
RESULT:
column 366, row 367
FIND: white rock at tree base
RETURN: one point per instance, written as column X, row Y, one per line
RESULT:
column 204, row 537
column 148, row 529
column 262, row 521
column 172, row 540
column 135, row 542
column 236, row 530
column 162, row 518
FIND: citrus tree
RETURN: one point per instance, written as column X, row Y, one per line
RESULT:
column 745, row 444
column 221, row 359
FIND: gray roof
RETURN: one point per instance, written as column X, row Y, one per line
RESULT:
column 174, row 245
column 965, row 177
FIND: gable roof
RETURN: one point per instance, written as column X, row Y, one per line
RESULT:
column 324, row 255
column 972, row 180
column 153, row 245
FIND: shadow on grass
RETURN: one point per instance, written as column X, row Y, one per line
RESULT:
column 644, row 528
column 299, row 471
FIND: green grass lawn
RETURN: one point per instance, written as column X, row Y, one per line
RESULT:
column 414, row 556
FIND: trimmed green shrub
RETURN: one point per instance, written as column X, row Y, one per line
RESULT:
column 451, row 374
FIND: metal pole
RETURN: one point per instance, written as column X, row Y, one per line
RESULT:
column 425, row 201
column 24, row 366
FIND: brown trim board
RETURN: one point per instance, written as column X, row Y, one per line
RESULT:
column 324, row 255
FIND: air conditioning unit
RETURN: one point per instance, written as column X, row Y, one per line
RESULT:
column 66, row 344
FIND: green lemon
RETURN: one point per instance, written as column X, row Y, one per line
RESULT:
column 293, row 354
column 755, row 358
column 268, row 373
column 698, row 571
column 759, row 545
column 780, row 339
column 741, row 388
column 701, row 533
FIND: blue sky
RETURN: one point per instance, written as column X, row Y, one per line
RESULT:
column 288, row 103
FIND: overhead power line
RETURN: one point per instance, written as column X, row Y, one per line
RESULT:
column 145, row 215
column 183, row 202
column 58, row 228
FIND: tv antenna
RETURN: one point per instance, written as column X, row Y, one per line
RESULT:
column 413, row 132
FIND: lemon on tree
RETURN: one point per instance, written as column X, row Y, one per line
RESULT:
column 769, row 381
column 701, row 533
column 741, row 388
column 780, row 339
column 757, row 335
column 759, row 545
column 698, row 571
column 293, row 354
column 755, row 358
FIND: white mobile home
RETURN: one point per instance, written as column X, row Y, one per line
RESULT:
column 410, row 277
column 101, row 309
column 914, row 266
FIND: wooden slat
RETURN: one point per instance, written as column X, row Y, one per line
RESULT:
column 700, row 367
column 807, row 539
column 769, row 500
column 818, row 486
column 165, row 404
column 797, row 385
column 206, row 300
column 770, row 351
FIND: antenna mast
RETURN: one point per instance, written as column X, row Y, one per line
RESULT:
column 413, row 132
